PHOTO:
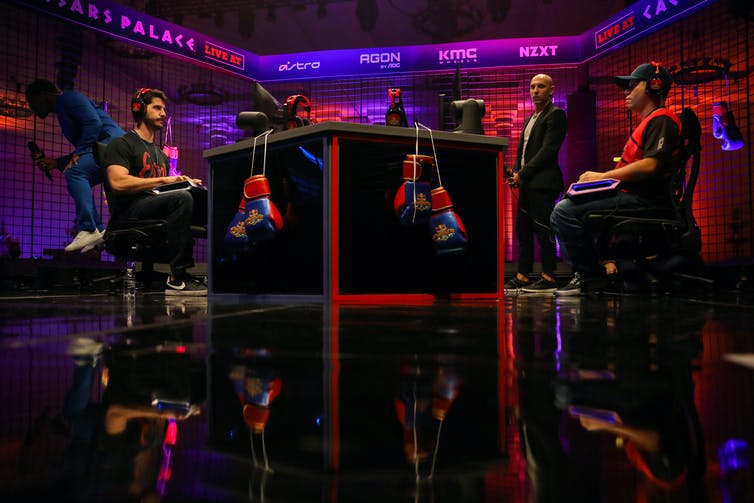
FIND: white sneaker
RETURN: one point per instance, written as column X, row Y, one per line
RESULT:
column 82, row 239
column 85, row 351
column 95, row 244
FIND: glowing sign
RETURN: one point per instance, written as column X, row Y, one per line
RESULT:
column 640, row 19
column 142, row 29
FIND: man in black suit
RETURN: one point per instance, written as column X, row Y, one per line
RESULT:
column 537, row 175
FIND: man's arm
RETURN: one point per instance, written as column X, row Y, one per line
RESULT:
column 81, row 110
column 634, row 172
column 122, row 182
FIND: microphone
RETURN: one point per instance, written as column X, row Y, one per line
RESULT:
column 37, row 155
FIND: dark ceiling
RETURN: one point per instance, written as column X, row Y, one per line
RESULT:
column 291, row 26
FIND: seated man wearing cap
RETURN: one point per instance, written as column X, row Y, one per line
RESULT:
column 649, row 155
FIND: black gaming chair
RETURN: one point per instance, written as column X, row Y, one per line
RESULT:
column 658, row 247
column 144, row 241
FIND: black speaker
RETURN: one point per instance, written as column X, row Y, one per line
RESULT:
column 254, row 122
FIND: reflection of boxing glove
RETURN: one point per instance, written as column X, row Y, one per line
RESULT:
column 413, row 200
column 256, row 411
column 448, row 233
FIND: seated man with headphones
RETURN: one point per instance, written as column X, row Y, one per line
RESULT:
column 135, row 166
column 649, row 156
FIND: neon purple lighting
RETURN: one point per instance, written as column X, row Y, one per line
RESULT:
column 115, row 20
column 418, row 58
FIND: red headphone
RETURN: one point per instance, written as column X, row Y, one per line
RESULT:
column 291, row 110
column 138, row 106
column 655, row 85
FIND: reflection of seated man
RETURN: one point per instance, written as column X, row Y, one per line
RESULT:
column 148, row 392
column 135, row 166
column 661, row 454
column 646, row 162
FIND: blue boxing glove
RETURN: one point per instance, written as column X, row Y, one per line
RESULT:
column 447, row 230
column 258, row 219
column 263, row 220
column 413, row 200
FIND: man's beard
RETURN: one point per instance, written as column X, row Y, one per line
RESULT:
column 154, row 124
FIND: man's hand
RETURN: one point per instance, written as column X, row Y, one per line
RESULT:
column 72, row 162
column 589, row 176
column 514, row 181
column 47, row 164
column 182, row 178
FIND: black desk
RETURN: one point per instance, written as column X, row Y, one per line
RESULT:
column 335, row 182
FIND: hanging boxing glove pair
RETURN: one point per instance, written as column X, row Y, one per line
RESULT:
column 258, row 219
column 416, row 202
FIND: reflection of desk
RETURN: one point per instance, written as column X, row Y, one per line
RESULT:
column 335, row 420
column 335, row 183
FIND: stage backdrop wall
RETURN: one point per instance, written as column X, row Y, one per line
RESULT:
column 204, row 104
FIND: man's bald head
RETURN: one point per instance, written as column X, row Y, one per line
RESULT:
column 541, row 90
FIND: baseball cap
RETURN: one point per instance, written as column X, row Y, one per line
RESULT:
column 646, row 72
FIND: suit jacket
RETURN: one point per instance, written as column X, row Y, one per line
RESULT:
column 541, row 170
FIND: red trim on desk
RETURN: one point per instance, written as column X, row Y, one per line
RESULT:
column 334, row 220
column 500, row 228
column 335, row 388
column 502, row 373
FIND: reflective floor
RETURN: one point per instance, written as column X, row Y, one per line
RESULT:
column 590, row 399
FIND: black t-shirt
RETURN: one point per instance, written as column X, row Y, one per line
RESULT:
column 143, row 159
column 661, row 140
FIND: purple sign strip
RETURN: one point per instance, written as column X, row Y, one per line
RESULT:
column 151, row 32
column 639, row 20
column 636, row 21
column 391, row 60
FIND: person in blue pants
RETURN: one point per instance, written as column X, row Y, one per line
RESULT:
column 83, row 123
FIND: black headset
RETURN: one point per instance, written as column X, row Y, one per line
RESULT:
column 138, row 105
column 656, row 85
column 292, row 120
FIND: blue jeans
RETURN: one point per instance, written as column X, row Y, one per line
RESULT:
column 576, row 243
column 81, row 177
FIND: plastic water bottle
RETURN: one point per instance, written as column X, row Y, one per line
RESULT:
column 129, row 282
